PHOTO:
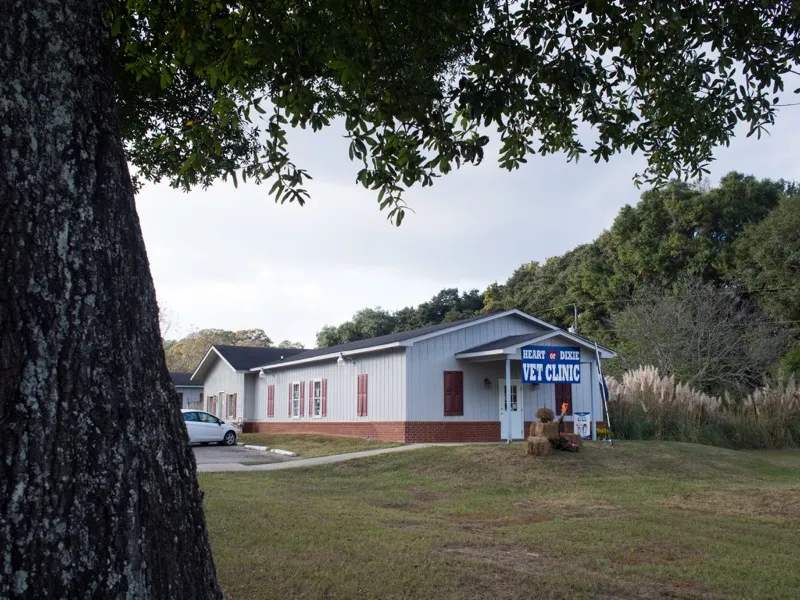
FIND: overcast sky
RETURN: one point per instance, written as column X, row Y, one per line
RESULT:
column 232, row 259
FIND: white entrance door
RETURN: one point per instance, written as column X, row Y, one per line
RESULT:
column 517, row 412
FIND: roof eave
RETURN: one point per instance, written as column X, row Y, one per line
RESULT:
column 329, row 356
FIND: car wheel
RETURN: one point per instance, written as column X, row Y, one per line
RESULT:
column 229, row 439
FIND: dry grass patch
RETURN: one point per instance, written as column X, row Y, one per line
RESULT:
column 637, row 521
column 308, row 445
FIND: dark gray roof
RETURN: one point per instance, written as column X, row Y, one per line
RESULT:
column 244, row 358
column 501, row 343
column 380, row 340
column 180, row 379
column 518, row 339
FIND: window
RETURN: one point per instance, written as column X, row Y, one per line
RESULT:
column 361, row 409
column 294, row 405
column 454, row 393
column 316, row 398
column 230, row 407
column 211, row 404
column 563, row 396
column 207, row 418
column 190, row 416
column 513, row 398
column 270, row 401
column 180, row 398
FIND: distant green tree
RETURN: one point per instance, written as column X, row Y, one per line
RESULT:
column 290, row 344
column 186, row 354
column 768, row 260
column 447, row 305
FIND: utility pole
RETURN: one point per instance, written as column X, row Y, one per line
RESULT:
column 575, row 312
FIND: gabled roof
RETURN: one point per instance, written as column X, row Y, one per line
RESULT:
column 512, row 343
column 396, row 340
column 242, row 358
column 182, row 379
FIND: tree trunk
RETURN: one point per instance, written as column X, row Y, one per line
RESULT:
column 98, row 492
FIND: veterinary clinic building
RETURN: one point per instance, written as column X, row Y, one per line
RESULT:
column 444, row 383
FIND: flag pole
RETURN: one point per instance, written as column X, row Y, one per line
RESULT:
column 603, row 391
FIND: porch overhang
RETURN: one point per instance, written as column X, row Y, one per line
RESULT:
column 511, row 347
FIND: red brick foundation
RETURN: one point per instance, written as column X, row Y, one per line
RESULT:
column 391, row 431
column 452, row 431
column 395, row 431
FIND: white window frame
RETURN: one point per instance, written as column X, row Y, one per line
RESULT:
column 296, row 400
column 317, row 414
column 230, row 402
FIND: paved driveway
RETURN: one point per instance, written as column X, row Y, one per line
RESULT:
column 212, row 455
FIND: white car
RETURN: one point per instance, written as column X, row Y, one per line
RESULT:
column 204, row 428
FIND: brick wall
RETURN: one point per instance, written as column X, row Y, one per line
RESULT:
column 392, row 431
column 453, row 431
column 397, row 431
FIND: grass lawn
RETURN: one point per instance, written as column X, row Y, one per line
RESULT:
column 639, row 520
column 309, row 445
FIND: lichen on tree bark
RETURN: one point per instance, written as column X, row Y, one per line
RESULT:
column 98, row 490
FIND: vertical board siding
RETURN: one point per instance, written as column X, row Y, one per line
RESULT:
column 427, row 360
column 387, row 387
column 190, row 394
column 221, row 378
column 246, row 406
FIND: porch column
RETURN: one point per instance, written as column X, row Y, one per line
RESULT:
column 593, row 383
column 508, row 396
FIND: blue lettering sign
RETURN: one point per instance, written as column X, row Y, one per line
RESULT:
column 551, row 364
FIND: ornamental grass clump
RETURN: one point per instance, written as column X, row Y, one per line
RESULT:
column 646, row 405
column 545, row 415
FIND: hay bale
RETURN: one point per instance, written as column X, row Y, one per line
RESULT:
column 546, row 430
column 537, row 446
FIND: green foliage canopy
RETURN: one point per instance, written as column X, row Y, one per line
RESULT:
column 209, row 88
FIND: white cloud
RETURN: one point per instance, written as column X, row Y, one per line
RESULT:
column 232, row 258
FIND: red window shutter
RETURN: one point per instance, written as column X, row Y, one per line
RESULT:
column 362, row 395
column 290, row 399
column 302, row 397
column 324, row 397
column 235, row 404
column 270, row 401
column 453, row 393
column 310, row 398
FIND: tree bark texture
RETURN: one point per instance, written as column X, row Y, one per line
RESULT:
column 98, row 490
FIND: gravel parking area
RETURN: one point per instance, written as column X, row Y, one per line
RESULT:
column 208, row 455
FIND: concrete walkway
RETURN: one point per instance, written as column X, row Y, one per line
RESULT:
column 296, row 463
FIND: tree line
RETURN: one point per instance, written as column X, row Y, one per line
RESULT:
column 689, row 266
column 186, row 353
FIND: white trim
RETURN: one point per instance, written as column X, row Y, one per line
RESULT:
column 311, row 394
column 411, row 341
column 299, row 400
column 217, row 352
column 487, row 318
column 513, row 348
column 329, row 356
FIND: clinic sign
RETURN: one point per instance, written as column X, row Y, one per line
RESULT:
column 551, row 364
